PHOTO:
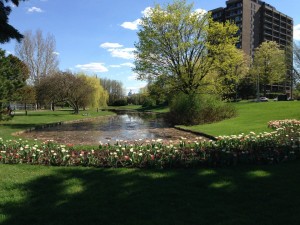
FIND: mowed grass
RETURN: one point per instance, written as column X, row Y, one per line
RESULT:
column 22, row 122
column 251, row 116
column 247, row 195
column 261, row 195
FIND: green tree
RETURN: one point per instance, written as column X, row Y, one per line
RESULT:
column 268, row 65
column 231, row 68
column 114, row 89
column 13, row 76
column 7, row 31
column 78, row 91
column 99, row 96
column 26, row 95
column 180, row 44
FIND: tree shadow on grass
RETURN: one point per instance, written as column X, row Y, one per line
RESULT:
column 244, row 195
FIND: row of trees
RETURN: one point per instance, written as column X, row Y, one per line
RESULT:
column 64, row 88
column 114, row 89
column 75, row 90
column 32, row 76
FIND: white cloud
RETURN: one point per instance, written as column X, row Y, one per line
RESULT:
column 132, row 77
column 55, row 53
column 129, row 64
column 93, row 67
column 116, row 50
column 111, row 45
column 34, row 9
column 124, row 53
column 201, row 12
column 131, row 25
column 297, row 32
column 134, row 24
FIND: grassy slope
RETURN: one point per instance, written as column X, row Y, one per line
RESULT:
column 251, row 117
column 22, row 122
column 261, row 195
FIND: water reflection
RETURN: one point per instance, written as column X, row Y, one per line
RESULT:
column 124, row 126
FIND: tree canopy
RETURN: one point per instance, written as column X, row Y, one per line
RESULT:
column 114, row 89
column 78, row 91
column 269, row 64
column 181, row 44
column 7, row 31
column 38, row 53
column 13, row 76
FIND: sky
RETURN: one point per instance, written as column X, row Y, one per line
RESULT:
column 98, row 36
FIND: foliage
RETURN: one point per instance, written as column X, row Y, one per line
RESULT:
column 180, row 45
column 274, row 147
column 114, row 89
column 231, row 69
column 13, row 76
column 69, row 88
column 199, row 109
column 120, row 102
column 39, row 54
column 149, row 102
column 26, row 94
column 160, row 90
column 136, row 99
column 8, row 32
column 99, row 96
column 269, row 65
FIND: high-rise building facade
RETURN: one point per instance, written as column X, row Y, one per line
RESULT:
column 259, row 22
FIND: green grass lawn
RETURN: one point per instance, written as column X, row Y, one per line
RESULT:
column 247, row 195
column 251, row 117
column 34, row 118
column 243, row 195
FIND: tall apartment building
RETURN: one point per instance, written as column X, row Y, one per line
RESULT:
column 259, row 22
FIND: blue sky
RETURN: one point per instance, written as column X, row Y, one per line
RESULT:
column 98, row 36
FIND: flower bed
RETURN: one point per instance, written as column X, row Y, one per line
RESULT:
column 274, row 147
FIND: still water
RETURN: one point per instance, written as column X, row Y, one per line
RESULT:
column 128, row 126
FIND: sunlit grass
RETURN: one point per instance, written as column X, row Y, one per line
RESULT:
column 251, row 117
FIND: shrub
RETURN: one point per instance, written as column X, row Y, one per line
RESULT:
column 120, row 102
column 149, row 102
column 199, row 109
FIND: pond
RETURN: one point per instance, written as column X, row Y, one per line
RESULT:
column 129, row 126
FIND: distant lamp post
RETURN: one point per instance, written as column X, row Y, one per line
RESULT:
column 257, row 88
